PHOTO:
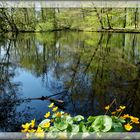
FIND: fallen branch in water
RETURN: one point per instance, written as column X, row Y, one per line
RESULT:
column 46, row 98
column 57, row 102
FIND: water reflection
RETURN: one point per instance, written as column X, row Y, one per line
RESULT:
column 93, row 68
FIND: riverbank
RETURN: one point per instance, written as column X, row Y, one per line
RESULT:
column 114, row 30
column 120, row 30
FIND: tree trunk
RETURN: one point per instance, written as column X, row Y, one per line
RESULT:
column 136, row 17
column 124, row 23
column 99, row 18
column 42, row 14
column 54, row 19
column 108, row 20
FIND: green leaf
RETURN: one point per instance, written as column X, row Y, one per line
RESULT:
column 61, row 125
column 75, row 128
column 121, row 120
column 44, row 121
column 117, row 127
column 78, row 118
column 53, row 129
column 91, row 129
column 68, row 119
column 82, row 127
column 69, row 128
column 116, row 119
column 102, row 123
column 91, row 119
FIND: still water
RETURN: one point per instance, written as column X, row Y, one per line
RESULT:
column 90, row 69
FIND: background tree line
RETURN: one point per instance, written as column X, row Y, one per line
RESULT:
column 90, row 19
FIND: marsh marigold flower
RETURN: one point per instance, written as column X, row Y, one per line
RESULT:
column 58, row 114
column 128, row 127
column 26, row 127
column 55, row 109
column 134, row 120
column 33, row 123
column 113, row 113
column 125, row 116
column 46, row 125
column 31, row 131
column 51, row 105
column 118, row 110
column 24, row 130
column 39, row 130
column 107, row 107
column 47, row 115
column 40, row 133
column 122, row 107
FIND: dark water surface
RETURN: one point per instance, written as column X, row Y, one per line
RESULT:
column 91, row 68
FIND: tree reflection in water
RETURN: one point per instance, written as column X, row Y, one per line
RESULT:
column 10, row 119
column 95, row 68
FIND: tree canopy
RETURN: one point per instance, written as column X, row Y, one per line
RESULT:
column 50, row 19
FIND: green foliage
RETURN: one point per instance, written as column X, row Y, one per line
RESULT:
column 47, row 26
column 46, row 19
column 78, row 118
column 102, row 124
column 61, row 122
column 66, row 123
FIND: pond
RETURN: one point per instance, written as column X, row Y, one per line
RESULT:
column 88, row 70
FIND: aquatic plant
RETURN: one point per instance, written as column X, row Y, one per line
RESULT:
column 59, row 121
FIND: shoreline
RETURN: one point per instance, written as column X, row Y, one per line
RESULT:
column 79, row 30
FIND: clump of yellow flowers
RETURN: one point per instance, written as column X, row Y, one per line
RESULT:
column 39, row 131
column 130, row 120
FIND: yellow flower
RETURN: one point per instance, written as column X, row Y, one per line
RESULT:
column 33, row 123
column 125, row 116
column 118, row 110
column 47, row 124
column 55, row 109
column 47, row 115
column 25, row 130
column 32, row 130
column 113, row 113
column 40, row 133
column 26, row 127
column 107, row 107
column 134, row 120
column 39, row 129
column 51, row 105
column 122, row 107
column 58, row 114
column 128, row 127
